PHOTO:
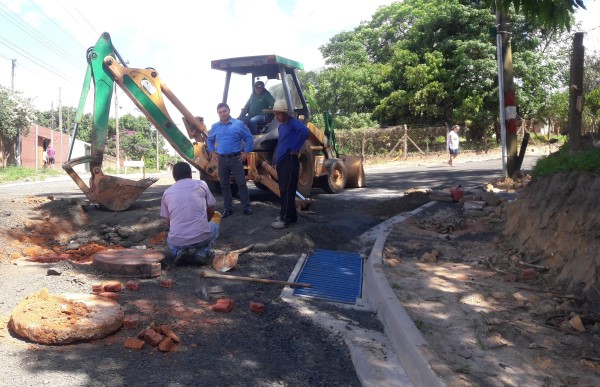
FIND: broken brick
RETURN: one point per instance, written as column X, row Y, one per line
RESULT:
column 223, row 305
column 113, row 296
column 166, row 283
column 167, row 345
column 257, row 307
column 134, row 343
column 131, row 321
column 112, row 286
column 167, row 331
column 132, row 285
column 152, row 337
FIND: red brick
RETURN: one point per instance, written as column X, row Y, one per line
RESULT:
column 257, row 307
column 134, row 343
column 111, row 295
column 528, row 274
column 153, row 338
column 166, row 283
column 167, row 331
column 223, row 305
column 132, row 285
column 97, row 288
column 142, row 333
column 131, row 321
column 112, row 286
column 167, row 345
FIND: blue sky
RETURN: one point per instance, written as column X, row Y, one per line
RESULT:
column 49, row 40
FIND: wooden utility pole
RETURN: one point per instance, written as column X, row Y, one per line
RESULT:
column 510, row 100
column 576, row 93
column 117, row 128
column 12, row 75
column 60, row 125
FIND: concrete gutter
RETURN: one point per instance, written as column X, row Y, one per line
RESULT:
column 414, row 352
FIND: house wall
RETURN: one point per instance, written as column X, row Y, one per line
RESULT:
column 38, row 139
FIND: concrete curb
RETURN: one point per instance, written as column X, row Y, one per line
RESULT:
column 408, row 342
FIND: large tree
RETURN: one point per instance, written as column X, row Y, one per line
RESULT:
column 16, row 116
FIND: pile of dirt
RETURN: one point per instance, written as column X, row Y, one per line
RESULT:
column 501, row 299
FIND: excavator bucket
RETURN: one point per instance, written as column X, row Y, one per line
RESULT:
column 117, row 193
column 112, row 192
column 356, row 172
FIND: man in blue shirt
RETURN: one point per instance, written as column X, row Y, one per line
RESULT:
column 229, row 134
column 292, row 135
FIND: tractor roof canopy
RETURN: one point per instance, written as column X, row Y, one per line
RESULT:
column 258, row 66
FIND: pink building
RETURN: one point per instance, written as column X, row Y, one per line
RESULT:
column 38, row 139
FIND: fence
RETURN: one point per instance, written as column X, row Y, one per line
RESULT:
column 402, row 142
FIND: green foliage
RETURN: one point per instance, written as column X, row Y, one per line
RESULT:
column 554, row 14
column 16, row 113
column 561, row 161
column 13, row 173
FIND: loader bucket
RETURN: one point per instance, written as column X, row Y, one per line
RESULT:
column 116, row 193
column 356, row 172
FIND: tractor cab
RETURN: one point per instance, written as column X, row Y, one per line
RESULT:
column 279, row 75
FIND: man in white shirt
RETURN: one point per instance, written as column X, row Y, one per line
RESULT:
column 452, row 143
column 188, row 206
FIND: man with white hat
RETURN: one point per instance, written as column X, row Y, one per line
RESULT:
column 292, row 135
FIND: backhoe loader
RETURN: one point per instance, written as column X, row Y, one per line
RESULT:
column 320, row 165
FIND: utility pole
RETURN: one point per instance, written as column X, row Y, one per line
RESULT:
column 60, row 124
column 576, row 94
column 12, row 75
column 117, row 126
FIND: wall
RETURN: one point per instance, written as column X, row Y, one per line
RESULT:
column 39, row 137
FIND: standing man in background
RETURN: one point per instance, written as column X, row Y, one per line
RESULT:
column 292, row 135
column 229, row 134
column 452, row 143
column 51, row 153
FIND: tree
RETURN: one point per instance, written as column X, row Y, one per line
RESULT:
column 16, row 116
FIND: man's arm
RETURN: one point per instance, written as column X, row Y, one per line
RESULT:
column 210, row 212
column 168, row 220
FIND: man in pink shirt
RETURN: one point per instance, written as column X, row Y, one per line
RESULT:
column 188, row 206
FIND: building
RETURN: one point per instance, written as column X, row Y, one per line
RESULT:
column 36, row 142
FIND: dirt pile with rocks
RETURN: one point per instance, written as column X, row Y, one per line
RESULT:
column 501, row 296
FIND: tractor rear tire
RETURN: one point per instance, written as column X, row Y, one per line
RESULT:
column 335, row 181
column 214, row 186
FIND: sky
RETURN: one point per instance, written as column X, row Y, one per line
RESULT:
column 49, row 40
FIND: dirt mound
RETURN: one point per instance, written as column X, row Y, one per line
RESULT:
column 555, row 224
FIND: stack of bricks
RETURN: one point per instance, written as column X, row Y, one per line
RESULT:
column 160, row 336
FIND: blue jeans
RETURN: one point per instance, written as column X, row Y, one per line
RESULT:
column 202, row 248
column 254, row 122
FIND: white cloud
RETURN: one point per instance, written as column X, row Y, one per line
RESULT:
column 178, row 40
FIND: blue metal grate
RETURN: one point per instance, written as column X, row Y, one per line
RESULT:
column 334, row 276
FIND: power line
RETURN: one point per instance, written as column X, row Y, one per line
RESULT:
column 34, row 59
column 23, row 26
column 84, row 18
column 53, row 22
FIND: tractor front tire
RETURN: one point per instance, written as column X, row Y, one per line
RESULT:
column 335, row 181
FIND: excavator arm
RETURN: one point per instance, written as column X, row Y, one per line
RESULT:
column 145, row 88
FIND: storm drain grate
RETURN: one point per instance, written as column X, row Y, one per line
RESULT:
column 334, row 276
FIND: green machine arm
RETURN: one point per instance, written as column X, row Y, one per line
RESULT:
column 145, row 89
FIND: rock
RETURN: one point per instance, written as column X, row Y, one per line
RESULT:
column 53, row 271
column 577, row 324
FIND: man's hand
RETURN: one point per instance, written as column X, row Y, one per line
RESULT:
column 213, row 155
column 243, row 156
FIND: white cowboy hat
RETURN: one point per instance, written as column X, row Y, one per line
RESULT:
column 280, row 106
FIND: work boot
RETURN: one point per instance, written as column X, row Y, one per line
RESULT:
column 280, row 224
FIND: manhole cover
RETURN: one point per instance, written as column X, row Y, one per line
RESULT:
column 129, row 262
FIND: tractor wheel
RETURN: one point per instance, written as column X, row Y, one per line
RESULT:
column 335, row 181
column 214, row 186
column 307, row 169
column 261, row 186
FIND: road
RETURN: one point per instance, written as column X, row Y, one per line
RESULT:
column 285, row 346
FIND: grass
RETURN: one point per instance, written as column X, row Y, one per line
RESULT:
column 12, row 174
column 561, row 161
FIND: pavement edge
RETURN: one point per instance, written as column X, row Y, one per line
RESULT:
column 408, row 342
